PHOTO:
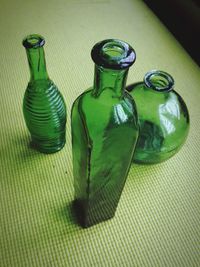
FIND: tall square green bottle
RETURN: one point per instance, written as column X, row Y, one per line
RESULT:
column 104, row 133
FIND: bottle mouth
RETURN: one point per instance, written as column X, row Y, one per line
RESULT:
column 113, row 54
column 33, row 41
column 158, row 80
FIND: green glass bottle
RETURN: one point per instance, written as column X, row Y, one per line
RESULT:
column 163, row 118
column 43, row 105
column 104, row 133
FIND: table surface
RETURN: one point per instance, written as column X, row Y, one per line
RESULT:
column 157, row 222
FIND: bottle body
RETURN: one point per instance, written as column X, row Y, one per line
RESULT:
column 104, row 134
column 163, row 119
column 103, row 137
column 45, row 115
column 43, row 105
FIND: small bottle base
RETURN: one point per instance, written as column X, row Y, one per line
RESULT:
column 47, row 148
column 153, row 158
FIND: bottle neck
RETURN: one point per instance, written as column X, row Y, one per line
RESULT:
column 109, row 79
column 37, row 63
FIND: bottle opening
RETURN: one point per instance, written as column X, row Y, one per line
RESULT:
column 33, row 41
column 112, row 50
column 159, row 80
column 113, row 54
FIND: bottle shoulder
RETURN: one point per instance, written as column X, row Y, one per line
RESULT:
column 105, row 100
column 106, row 107
column 147, row 100
column 140, row 92
column 44, row 95
column 41, row 86
column 82, row 96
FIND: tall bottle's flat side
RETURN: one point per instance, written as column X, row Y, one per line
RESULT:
column 80, row 149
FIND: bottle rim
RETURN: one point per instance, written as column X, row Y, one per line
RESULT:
column 33, row 41
column 113, row 54
column 158, row 80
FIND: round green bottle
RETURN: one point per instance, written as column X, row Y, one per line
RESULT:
column 163, row 118
column 104, row 133
column 43, row 105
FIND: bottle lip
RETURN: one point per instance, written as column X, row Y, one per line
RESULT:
column 158, row 80
column 33, row 41
column 113, row 54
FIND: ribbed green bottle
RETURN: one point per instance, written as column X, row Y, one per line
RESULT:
column 43, row 105
column 104, row 133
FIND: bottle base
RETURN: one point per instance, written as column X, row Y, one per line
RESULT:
column 47, row 148
column 154, row 158
column 88, row 218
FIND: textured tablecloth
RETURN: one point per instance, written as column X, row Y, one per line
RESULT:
column 157, row 222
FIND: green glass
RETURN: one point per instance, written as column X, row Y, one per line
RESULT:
column 43, row 105
column 104, row 133
column 163, row 118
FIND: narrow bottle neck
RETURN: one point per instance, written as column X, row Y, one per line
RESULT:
column 111, row 79
column 37, row 64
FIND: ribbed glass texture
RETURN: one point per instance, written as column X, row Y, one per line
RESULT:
column 43, row 105
column 104, row 133
column 163, row 118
